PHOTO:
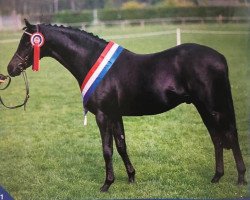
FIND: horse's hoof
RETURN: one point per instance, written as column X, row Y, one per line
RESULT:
column 217, row 177
column 215, row 180
column 104, row 188
column 131, row 179
column 242, row 182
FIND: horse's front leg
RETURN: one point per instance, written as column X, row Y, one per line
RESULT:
column 105, row 126
column 120, row 142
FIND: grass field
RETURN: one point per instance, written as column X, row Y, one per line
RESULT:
column 46, row 153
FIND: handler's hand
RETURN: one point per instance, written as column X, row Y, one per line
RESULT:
column 2, row 78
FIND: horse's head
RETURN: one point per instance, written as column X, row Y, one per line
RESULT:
column 23, row 57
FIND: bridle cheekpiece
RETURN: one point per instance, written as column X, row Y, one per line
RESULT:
column 37, row 41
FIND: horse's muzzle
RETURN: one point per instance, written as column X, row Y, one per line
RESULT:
column 14, row 71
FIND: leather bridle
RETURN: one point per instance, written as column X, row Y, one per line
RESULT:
column 21, row 66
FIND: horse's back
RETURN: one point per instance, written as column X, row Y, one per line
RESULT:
column 185, row 59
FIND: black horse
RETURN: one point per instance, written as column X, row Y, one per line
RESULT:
column 143, row 85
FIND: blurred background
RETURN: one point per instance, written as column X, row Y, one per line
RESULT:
column 84, row 13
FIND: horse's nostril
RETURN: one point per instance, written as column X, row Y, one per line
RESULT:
column 9, row 71
column 12, row 71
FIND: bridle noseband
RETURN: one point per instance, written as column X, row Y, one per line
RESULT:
column 23, row 61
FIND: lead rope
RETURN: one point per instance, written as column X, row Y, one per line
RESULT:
column 27, row 93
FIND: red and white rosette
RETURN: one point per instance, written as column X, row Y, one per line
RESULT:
column 37, row 41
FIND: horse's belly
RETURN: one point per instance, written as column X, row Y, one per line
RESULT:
column 147, row 106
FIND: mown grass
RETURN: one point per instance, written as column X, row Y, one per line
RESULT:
column 46, row 153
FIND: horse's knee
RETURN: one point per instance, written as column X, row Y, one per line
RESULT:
column 107, row 153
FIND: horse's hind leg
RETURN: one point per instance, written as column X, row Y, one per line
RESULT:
column 119, row 136
column 208, row 121
column 213, row 100
column 224, row 135
column 239, row 161
column 219, row 164
column 228, row 140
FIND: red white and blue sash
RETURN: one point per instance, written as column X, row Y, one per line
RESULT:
column 99, row 70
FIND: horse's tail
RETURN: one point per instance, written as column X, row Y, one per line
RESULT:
column 223, row 106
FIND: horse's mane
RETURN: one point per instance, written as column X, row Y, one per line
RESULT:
column 76, row 30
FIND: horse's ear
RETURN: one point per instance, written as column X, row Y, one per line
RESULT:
column 28, row 25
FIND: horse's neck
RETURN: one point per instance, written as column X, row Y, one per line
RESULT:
column 75, row 54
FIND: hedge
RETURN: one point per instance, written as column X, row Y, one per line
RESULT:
column 105, row 15
column 150, row 13
column 73, row 17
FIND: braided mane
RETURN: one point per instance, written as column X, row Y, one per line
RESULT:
column 77, row 30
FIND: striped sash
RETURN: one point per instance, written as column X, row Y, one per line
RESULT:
column 99, row 70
